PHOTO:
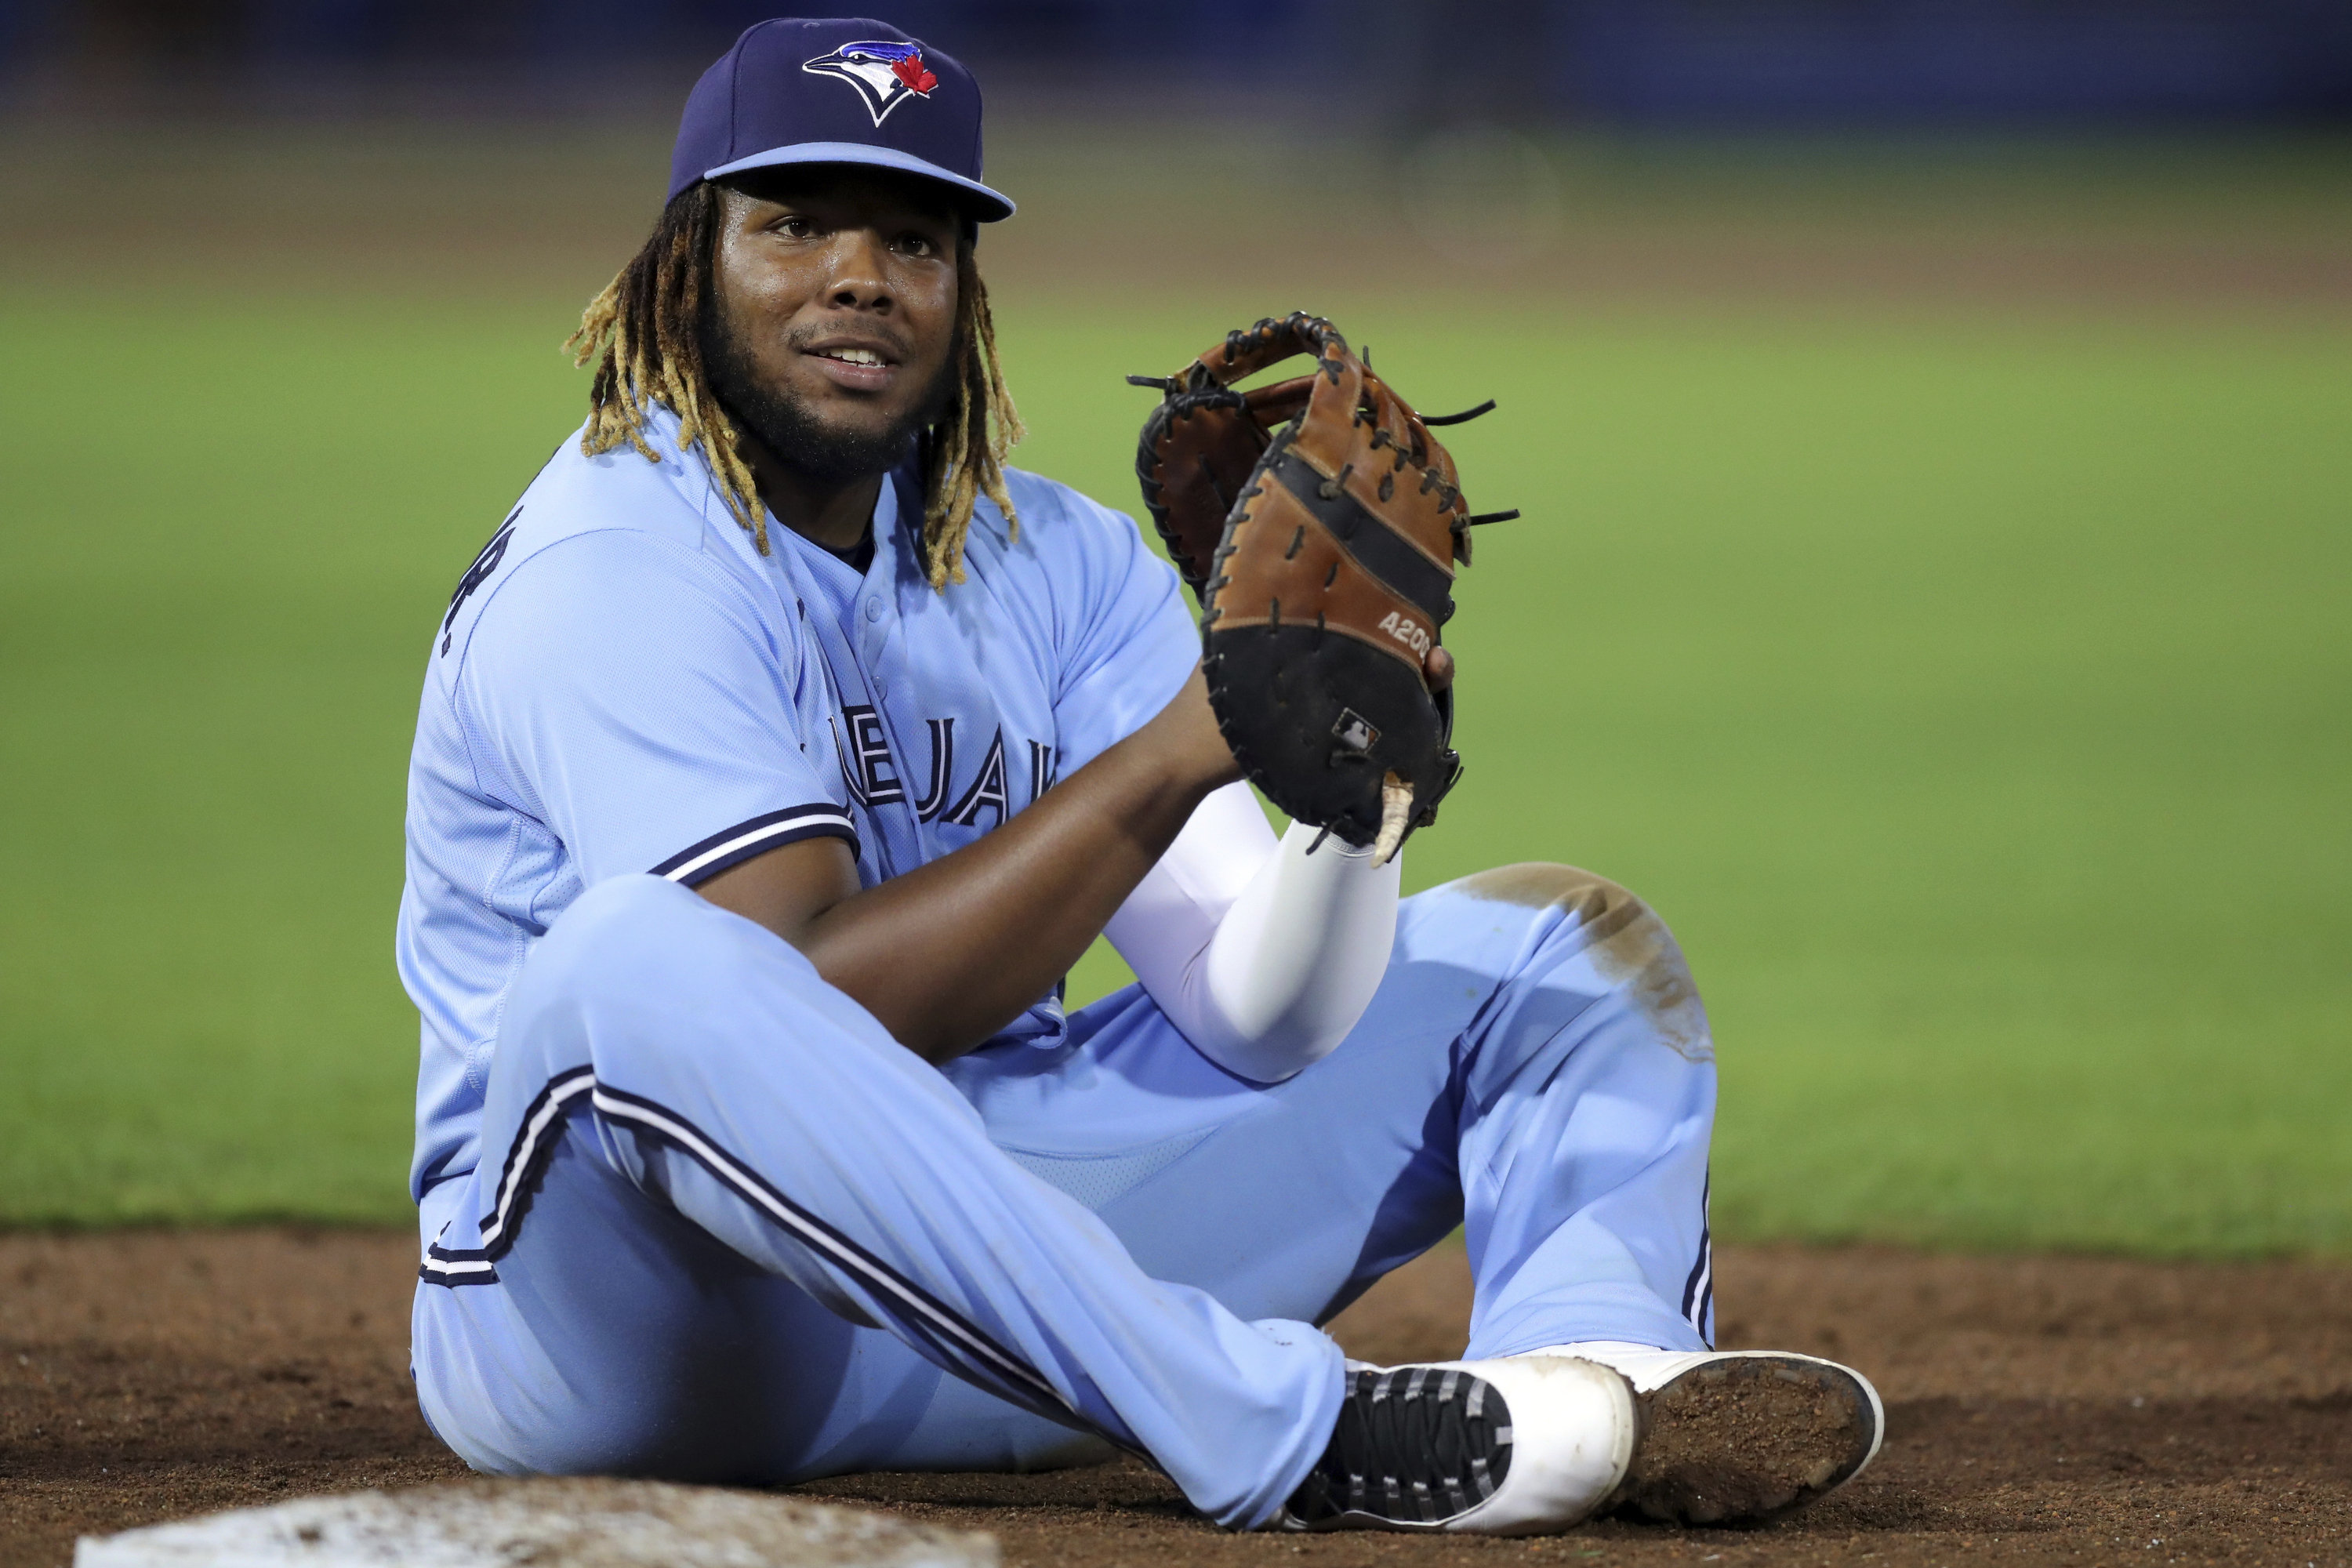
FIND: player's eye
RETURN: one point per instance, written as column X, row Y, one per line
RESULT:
column 795, row 227
column 917, row 245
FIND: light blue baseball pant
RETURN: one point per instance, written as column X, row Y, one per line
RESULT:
column 726, row 1229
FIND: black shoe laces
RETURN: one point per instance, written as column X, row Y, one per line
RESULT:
column 1414, row 1444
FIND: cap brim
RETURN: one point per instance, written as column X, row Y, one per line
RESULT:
column 987, row 206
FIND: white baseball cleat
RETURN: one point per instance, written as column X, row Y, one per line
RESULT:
column 1514, row 1446
column 1737, row 1437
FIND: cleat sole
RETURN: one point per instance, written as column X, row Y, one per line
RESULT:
column 1744, row 1441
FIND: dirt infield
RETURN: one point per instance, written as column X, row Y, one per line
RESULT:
column 2042, row 1410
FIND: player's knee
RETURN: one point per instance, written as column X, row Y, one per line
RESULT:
column 1599, row 907
column 622, row 909
column 624, row 943
column 638, row 967
column 1627, row 945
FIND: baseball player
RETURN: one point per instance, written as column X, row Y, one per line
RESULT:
column 778, row 755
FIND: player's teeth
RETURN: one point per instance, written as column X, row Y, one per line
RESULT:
column 857, row 356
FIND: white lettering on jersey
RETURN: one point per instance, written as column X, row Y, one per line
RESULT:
column 934, row 797
column 987, row 790
column 865, row 759
column 870, row 773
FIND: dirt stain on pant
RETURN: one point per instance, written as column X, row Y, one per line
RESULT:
column 1629, row 944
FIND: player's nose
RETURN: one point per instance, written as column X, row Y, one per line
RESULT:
column 859, row 273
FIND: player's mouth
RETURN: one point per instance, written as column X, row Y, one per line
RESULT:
column 860, row 367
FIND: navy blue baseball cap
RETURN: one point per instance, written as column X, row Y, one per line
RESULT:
column 843, row 89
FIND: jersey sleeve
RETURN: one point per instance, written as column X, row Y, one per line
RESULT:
column 1132, row 646
column 626, row 690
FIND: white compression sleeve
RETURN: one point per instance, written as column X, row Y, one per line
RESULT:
column 1263, row 956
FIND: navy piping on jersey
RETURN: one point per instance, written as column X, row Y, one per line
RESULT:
column 950, row 1336
column 732, row 846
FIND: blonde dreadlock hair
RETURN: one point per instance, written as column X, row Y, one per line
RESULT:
column 644, row 334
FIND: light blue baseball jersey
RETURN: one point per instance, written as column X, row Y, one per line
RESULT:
column 623, row 684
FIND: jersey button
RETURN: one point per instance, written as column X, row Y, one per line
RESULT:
column 873, row 609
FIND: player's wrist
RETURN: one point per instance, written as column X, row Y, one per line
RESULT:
column 1182, row 763
column 1186, row 748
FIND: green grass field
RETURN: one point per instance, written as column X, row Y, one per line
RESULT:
column 1974, row 695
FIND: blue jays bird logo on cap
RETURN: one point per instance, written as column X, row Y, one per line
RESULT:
column 886, row 73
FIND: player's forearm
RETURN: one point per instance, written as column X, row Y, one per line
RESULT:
column 955, row 950
column 1297, row 959
column 1263, row 956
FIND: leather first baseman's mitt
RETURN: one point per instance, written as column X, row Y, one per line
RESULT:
column 1318, row 523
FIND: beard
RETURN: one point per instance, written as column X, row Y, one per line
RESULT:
column 792, row 431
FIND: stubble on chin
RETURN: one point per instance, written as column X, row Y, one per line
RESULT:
column 795, row 434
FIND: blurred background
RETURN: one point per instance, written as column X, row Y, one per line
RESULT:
column 1933, row 421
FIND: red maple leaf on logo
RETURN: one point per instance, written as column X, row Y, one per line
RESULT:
column 911, row 72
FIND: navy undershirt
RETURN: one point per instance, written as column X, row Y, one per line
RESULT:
column 858, row 556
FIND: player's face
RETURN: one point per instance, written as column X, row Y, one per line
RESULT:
column 836, row 312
